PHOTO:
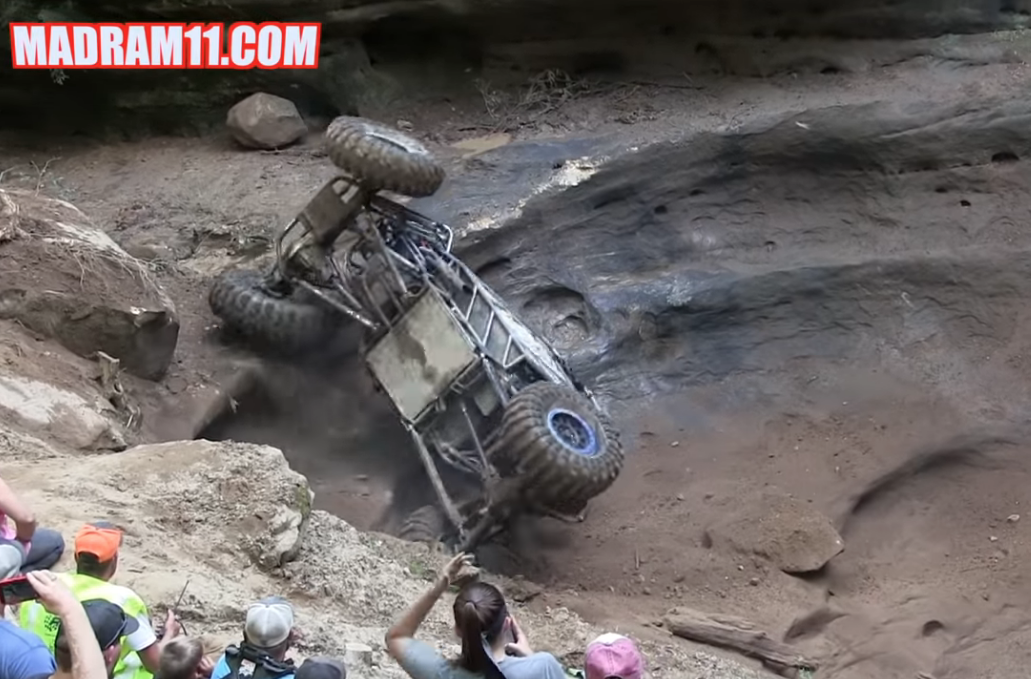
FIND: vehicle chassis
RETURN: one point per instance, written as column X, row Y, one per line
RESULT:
column 438, row 340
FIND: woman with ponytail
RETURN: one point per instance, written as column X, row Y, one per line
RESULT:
column 493, row 646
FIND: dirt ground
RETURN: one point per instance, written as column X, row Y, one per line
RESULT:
column 931, row 574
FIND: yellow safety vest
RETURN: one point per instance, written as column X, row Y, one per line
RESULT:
column 44, row 624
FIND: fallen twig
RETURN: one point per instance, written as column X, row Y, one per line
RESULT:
column 3, row 173
column 41, row 173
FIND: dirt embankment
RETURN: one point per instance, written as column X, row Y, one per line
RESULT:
column 236, row 523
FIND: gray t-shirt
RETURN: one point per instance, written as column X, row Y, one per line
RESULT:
column 420, row 661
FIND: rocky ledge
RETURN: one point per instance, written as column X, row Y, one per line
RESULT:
column 367, row 47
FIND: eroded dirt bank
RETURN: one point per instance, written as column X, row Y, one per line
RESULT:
column 806, row 305
column 799, row 299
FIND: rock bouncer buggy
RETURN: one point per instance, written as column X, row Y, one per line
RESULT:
column 474, row 386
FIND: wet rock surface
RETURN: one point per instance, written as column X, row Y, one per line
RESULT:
column 727, row 253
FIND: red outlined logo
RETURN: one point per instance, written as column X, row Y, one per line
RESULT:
column 242, row 45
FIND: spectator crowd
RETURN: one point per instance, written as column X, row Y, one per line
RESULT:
column 81, row 624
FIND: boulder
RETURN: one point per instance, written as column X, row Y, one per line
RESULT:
column 60, row 415
column 242, row 498
column 265, row 121
column 791, row 534
column 67, row 280
column 49, row 394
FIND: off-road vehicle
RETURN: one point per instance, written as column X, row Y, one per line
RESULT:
column 474, row 386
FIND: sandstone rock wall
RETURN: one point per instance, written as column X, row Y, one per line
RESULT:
column 361, row 37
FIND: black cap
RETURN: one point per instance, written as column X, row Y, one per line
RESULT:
column 321, row 668
column 109, row 623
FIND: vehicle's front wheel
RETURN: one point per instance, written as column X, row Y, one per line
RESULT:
column 564, row 450
column 273, row 319
column 382, row 157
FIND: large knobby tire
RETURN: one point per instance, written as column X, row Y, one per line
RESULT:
column 425, row 524
column 564, row 450
column 241, row 299
column 382, row 157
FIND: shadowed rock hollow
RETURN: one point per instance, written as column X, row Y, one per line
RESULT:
column 375, row 53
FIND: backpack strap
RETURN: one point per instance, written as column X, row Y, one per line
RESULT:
column 265, row 667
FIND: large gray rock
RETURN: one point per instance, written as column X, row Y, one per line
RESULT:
column 67, row 280
column 265, row 121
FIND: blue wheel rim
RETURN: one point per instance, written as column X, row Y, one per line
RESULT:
column 573, row 432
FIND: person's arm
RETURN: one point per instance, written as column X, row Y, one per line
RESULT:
column 145, row 642
column 24, row 519
column 87, row 658
column 407, row 625
column 403, row 631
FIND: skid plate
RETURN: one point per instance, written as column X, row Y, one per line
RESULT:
column 421, row 356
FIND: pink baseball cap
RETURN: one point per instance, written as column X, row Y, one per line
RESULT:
column 613, row 656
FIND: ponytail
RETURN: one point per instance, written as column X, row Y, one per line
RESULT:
column 480, row 614
column 474, row 655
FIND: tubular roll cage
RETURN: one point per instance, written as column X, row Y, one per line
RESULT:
column 415, row 259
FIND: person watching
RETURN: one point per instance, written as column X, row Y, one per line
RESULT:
column 109, row 624
column 96, row 561
column 183, row 658
column 493, row 644
column 89, row 633
column 613, row 656
column 24, row 547
column 268, row 634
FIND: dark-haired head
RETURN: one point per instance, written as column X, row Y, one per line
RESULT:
column 480, row 618
column 90, row 565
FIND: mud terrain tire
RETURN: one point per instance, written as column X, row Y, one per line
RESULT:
column 425, row 524
column 241, row 299
column 565, row 451
column 382, row 157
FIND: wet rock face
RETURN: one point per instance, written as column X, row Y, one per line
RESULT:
column 849, row 233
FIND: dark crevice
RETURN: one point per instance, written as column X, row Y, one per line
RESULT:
column 412, row 40
column 1005, row 157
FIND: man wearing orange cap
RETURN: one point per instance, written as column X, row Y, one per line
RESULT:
column 96, row 560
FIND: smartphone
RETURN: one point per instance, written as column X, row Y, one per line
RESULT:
column 16, row 590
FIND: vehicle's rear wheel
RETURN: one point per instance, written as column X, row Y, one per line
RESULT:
column 425, row 524
column 382, row 157
column 274, row 320
column 564, row 450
